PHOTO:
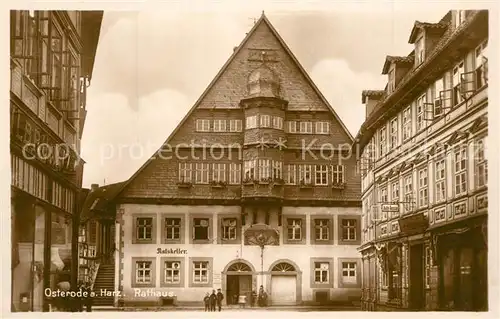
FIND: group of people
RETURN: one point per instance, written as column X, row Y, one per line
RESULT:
column 213, row 300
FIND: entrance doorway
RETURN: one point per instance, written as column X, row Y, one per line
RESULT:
column 417, row 291
column 239, row 281
column 238, row 285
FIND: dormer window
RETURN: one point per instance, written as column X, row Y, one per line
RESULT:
column 459, row 18
column 391, row 81
column 419, row 52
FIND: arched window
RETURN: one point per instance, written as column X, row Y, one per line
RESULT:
column 283, row 267
column 239, row 267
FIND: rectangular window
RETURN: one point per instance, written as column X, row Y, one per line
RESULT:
column 349, row 229
column 219, row 125
column 419, row 51
column 251, row 122
column 249, row 167
column 144, row 228
column 384, row 199
column 143, row 272
column 277, row 170
column 185, row 172
column 294, row 229
column 172, row 228
column 172, row 272
column 264, row 169
column 394, row 133
column 349, row 272
column 321, row 273
column 408, row 188
column 200, row 272
column 265, row 121
column 322, row 228
column 423, row 198
column 219, row 172
column 428, row 265
column 277, row 122
column 305, row 174
column 407, row 123
column 481, row 55
column 338, row 174
column 235, row 126
column 459, row 17
column 305, row 127
column 234, row 173
column 322, row 128
column 481, row 164
column 457, row 73
column 229, row 228
column 200, row 228
column 291, row 174
column 201, row 173
column 321, row 175
column 382, row 141
column 460, row 172
column 438, row 103
column 391, row 83
column 420, row 113
column 440, row 181
column 292, row 126
column 203, row 125
column 395, row 196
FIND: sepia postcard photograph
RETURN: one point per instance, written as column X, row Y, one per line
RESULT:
column 257, row 158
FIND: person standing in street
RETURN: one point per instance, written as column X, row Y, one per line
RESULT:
column 220, row 297
column 213, row 300
column 206, row 300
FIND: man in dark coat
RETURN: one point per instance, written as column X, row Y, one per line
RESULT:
column 220, row 297
column 213, row 300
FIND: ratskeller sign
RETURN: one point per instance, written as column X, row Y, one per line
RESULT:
column 171, row 251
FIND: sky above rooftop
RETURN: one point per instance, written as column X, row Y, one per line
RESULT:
column 151, row 67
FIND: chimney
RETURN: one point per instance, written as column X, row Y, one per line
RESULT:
column 370, row 98
column 94, row 187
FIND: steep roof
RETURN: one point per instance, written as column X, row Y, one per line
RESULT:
column 97, row 200
column 262, row 19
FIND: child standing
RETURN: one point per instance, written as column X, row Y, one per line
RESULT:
column 206, row 300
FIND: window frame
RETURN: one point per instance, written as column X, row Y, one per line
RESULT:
column 336, row 173
column 323, row 175
column 219, row 172
column 234, row 173
column 462, row 172
column 314, row 229
column 163, row 266
column 287, row 227
column 357, row 270
column 235, row 125
column 480, row 162
column 288, row 175
column 182, row 228
column 423, row 187
column 134, row 272
column 322, row 127
column 305, row 127
column 265, row 121
column 251, row 122
column 192, row 227
column 209, row 261
column 330, row 272
column 238, row 228
column 185, row 169
column 203, row 125
column 356, row 228
column 407, row 125
column 135, row 239
column 440, row 181
column 277, row 122
column 202, row 173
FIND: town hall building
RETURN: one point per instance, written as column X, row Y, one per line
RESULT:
column 255, row 187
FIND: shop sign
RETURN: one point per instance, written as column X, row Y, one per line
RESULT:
column 413, row 224
column 390, row 208
column 171, row 251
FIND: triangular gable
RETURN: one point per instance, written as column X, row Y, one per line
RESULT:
column 478, row 124
column 262, row 19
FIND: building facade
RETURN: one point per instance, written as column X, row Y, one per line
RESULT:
column 424, row 172
column 253, row 188
column 52, row 56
